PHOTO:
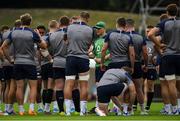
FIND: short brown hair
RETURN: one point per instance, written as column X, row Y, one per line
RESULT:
column 64, row 20
column 85, row 15
column 53, row 24
column 17, row 23
column 172, row 9
column 121, row 22
column 26, row 19
column 4, row 27
column 163, row 17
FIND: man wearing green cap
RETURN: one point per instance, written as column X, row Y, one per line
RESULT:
column 97, row 47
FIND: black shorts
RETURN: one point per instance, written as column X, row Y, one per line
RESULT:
column 2, row 75
column 99, row 73
column 105, row 93
column 46, row 71
column 22, row 71
column 169, row 65
column 58, row 73
column 138, row 72
column 8, row 72
column 152, row 74
column 118, row 64
column 76, row 65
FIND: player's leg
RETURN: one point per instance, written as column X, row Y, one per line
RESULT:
column 33, row 84
column 71, row 72
column 132, row 96
column 11, row 96
column 59, row 76
column 83, row 82
column 19, row 78
column 152, row 76
column 76, row 97
column 39, row 97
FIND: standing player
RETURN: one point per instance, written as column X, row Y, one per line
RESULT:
column 59, row 47
column 23, row 40
column 10, row 75
column 42, row 31
column 169, row 66
column 120, row 46
column 140, row 51
column 7, row 67
column 97, row 48
column 46, row 68
column 151, row 72
column 79, row 36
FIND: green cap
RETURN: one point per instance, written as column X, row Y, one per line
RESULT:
column 100, row 25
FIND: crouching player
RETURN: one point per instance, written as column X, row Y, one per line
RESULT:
column 112, row 85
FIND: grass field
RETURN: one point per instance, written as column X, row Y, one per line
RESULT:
column 42, row 16
column 153, row 115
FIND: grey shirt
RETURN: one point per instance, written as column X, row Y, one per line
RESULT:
column 80, row 38
column 114, row 76
column 45, row 60
column 151, row 53
column 118, row 44
column 59, row 48
column 170, row 30
column 23, row 40
column 11, row 49
column 138, row 43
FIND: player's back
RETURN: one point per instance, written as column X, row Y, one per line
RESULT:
column 23, row 42
column 80, row 38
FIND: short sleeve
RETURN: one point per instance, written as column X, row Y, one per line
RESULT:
column 36, row 37
column 9, row 38
column 161, row 26
column 130, row 42
column 144, row 42
column 107, row 37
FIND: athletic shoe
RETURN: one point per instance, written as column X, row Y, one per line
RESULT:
column 179, row 110
column 55, row 110
column 62, row 113
column 40, row 110
column 68, row 114
column 144, row 113
column 126, row 114
column 175, row 113
column 32, row 113
column 72, row 110
column 21, row 113
column 164, row 112
column 11, row 113
column 92, row 111
column 99, row 112
column 5, row 114
column 114, row 110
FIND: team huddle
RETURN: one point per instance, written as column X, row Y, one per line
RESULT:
column 57, row 62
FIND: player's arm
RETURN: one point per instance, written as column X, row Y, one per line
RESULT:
column 152, row 37
column 145, row 54
column 103, row 52
column 90, row 52
column 5, row 50
column 132, row 56
column 107, row 56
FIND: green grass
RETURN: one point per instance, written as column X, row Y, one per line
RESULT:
column 42, row 16
column 153, row 115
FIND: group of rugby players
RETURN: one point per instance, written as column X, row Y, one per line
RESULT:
column 58, row 63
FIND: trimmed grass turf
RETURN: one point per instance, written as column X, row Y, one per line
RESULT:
column 43, row 16
column 153, row 115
